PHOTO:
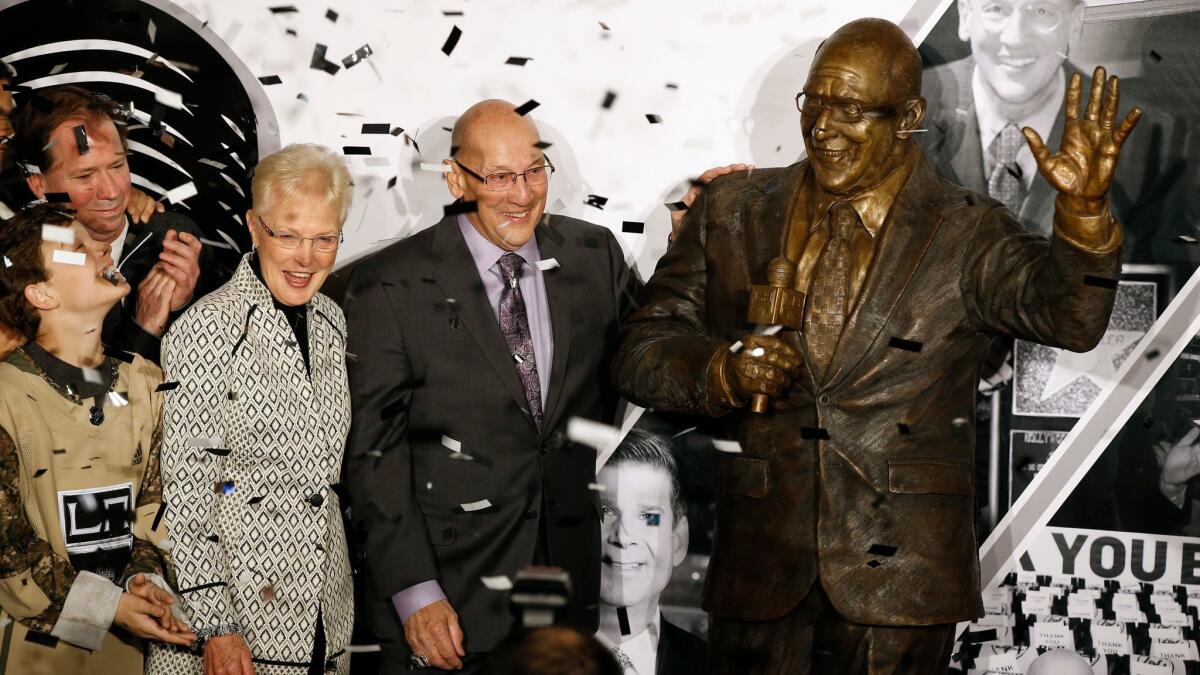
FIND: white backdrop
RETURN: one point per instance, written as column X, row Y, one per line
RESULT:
column 735, row 66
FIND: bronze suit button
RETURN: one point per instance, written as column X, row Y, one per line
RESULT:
column 824, row 399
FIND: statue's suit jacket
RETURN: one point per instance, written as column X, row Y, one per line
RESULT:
column 430, row 362
column 1149, row 193
column 881, row 452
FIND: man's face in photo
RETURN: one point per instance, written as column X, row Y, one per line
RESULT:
column 641, row 541
column 1019, row 45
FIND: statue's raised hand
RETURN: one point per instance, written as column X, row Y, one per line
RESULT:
column 1083, row 168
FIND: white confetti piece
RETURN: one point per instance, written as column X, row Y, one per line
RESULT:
column 772, row 330
column 117, row 399
column 593, row 434
column 547, row 264
column 727, row 446
column 218, row 244
column 476, row 506
column 216, row 165
column 69, row 257
column 452, row 444
column 436, row 168
column 359, row 649
column 757, row 351
column 204, row 442
column 735, row 347
column 58, row 233
column 597, row 487
column 685, row 431
column 7, row 262
column 171, row 99
column 500, row 583
column 185, row 191
column 92, row 375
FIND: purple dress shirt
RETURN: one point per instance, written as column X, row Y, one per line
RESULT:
column 537, row 310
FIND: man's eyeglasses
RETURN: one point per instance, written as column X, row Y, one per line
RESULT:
column 1043, row 17
column 503, row 180
column 849, row 112
column 326, row 243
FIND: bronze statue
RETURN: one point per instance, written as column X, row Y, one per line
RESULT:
column 845, row 535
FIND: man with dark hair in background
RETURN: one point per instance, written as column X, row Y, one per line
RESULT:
column 1015, row 77
column 644, row 537
column 72, row 142
column 6, row 133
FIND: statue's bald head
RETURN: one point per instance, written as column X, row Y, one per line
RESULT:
column 489, row 118
column 880, row 48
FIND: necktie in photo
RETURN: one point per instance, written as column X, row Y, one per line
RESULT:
column 626, row 663
column 514, row 324
column 1006, row 183
column 829, row 292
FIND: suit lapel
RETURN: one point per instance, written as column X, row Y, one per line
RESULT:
column 904, row 239
column 458, row 278
column 558, row 296
column 967, row 158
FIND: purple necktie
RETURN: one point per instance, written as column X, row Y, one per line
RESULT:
column 514, row 324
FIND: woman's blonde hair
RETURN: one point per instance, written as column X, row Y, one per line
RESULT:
column 302, row 169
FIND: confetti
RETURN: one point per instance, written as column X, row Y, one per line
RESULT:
column 547, row 264
column 1155, row 55
column 814, row 433
column 359, row 54
column 69, row 257
column 623, row 620
column 58, row 234
column 81, row 140
column 219, row 452
column 331, row 15
column 58, row 198
column 38, row 472
column 162, row 509
column 610, row 97
column 597, row 487
column 727, row 446
column 459, row 206
column 41, row 639
column 653, row 119
column 1184, row 239
column 203, row 442
column 476, row 506
column 517, row 60
column 903, row 428
column 270, row 79
column 757, row 351
column 500, row 583
column 255, row 500
column 451, row 40
column 676, row 206
column 319, row 62
column 359, row 649
column 284, row 9
column 526, row 107
column 376, row 128
column 117, row 399
column 593, row 434
column 450, row 443
column 181, row 193
column 1100, row 282
column 596, row 201
column 882, row 549
column 355, row 150
column 906, row 345
column 959, row 422
column 170, row 99
column 633, row 227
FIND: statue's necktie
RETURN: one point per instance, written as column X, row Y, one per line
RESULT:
column 514, row 324
column 626, row 663
column 829, row 291
column 1006, row 182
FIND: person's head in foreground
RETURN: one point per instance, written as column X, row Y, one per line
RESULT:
column 553, row 650
column 496, row 163
column 1060, row 662
column 59, row 286
column 644, row 532
column 1019, row 45
column 74, row 142
column 860, row 105
column 301, row 196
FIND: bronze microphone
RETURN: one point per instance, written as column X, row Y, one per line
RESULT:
column 777, row 303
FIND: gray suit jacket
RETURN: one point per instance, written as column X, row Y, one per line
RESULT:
column 429, row 361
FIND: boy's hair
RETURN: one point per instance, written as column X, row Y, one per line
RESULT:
column 21, row 246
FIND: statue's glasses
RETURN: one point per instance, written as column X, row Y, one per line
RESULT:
column 503, row 180
column 849, row 112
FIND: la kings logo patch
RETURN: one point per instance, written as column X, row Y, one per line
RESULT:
column 96, row 527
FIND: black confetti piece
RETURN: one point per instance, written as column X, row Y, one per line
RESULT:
column 653, row 119
column 319, row 62
column 451, row 40
column 255, row 500
column 1100, row 282
column 213, row 538
column 672, row 85
column 1149, row 422
column 448, row 130
column 633, row 227
column 603, row 26
column 873, row 564
column 392, row 182
column 903, row 428
column 219, row 452
column 43, row 639
column 81, row 139
column 518, row 60
column 460, row 206
column 542, row 145
column 391, row 410
column 331, row 15
column 1152, row 354
column 58, row 198
column 39, row 472
column 610, row 97
column 1155, row 55
column 156, row 119
column 359, row 54
column 291, row 31
column 623, row 620
column 526, row 107
column 41, row 103
column 814, row 433
column 596, row 201
column 355, row 150
column 882, row 549
column 397, row 131
column 118, row 354
column 167, row 386
column 59, row 451
column 452, row 12
column 973, row 637
column 906, row 345
column 376, row 128
column 284, row 9
column 158, row 516
column 270, row 79
column 676, row 206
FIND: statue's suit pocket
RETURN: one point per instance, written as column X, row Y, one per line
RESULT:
column 929, row 475
column 746, row 477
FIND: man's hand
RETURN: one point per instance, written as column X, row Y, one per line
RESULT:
column 433, row 632
column 227, row 655
column 144, row 619
column 1083, row 168
column 154, row 301
column 1180, row 461
column 690, row 198
column 142, row 206
column 764, row 365
column 180, row 258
